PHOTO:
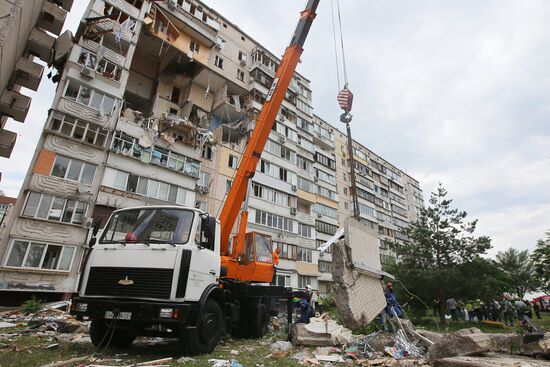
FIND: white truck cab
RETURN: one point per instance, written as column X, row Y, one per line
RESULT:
column 155, row 271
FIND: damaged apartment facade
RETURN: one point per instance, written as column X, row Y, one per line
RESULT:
column 155, row 105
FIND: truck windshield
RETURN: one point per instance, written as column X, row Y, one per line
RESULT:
column 149, row 226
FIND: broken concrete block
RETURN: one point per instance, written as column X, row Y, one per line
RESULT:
column 356, row 274
column 463, row 342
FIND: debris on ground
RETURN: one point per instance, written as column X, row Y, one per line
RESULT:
column 464, row 342
column 491, row 360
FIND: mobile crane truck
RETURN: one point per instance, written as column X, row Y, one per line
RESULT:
column 170, row 271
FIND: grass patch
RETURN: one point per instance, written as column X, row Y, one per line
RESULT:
column 29, row 351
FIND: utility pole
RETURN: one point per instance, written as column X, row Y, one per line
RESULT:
column 345, row 99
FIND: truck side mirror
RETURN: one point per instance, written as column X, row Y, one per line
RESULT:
column 95, row 229
column 208, row 229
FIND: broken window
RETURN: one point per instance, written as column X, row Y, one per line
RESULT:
column 206, row 152
column 242, row 56
column 25, row 254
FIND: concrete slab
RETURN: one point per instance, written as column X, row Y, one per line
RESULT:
column 357, row 272
column 494, row 360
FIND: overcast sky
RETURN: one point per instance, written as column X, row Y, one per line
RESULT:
column 457, row 92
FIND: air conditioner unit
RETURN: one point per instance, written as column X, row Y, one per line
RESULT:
column 315, row 178
column 88, row 223
column 293, row 211
column 219, row 44
column 205, row 190
column 319, row 215
column 282, row 139
column 90, row 73
column 243, row 62
column 294, row 188
column 191, row 55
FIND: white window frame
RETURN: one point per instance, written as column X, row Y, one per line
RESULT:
column 39, row 268
column 65, row 203
column 71, row 160
column 93, row 92
column 99, row 131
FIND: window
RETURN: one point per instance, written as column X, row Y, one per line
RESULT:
column 287, row 251
column 320, row 243
column 274, row 221
column 325, row 210
column 325, row 227
column 304, row 280
column 89, row 97
column 233, row 162
column 81, row 130
column 49, row 207
column 304, row 230
column 306, row 185
column 325, row 161
column 194, row 46
column 304, row 125
column 25, row 254
column 283, row 280
column 280, row 150
column 240, row 75
column 276, row 171
column 345, row 190
column 73, row 169
column 325, row 266
column 175, row 96
column 242, row 56
column 323, row 191
column 228, row 185
column 304, row 164
column 129, row 146
column 206, row 152
column 305, row 143
column 304, row 107
column 305, row 255
column 147, row 187
column 272, row 195
column 365, row 209
column 322, row 175
column 204, row 179
column 103, row 67
column 218, row 61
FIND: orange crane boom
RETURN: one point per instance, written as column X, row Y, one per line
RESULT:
column 247, row 167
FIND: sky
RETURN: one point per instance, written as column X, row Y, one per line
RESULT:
column 451, row 92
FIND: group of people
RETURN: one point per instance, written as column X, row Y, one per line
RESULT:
column 506, row 310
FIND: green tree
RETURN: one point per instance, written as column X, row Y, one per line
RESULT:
column 541, row 262
column 519, row 268
column 440, row 243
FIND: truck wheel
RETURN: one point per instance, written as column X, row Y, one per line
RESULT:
column 208, row 331
column 101, row 335
column 258, row 326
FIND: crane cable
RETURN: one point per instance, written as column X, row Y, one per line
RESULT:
column 344, row 66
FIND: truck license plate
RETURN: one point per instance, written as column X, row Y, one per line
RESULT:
column 120, row 316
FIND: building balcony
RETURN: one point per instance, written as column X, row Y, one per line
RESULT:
column 7, row 142
column 205, row 32
column 65, row 4
column 323, row 141
column 40, row 44
column 269, row 71
column 14, row 105
column 28, row 74
column 305, row 218
column 52, row 18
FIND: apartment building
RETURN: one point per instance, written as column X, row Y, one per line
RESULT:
column 155, row 105
column 28, row 30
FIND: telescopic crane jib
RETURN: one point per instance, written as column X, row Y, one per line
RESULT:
column 237, row 265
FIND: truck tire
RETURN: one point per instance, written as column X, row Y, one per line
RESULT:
column 101, row 335
column 206, row 334
column 258, row 326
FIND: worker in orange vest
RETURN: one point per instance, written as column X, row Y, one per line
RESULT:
column 275, row 264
